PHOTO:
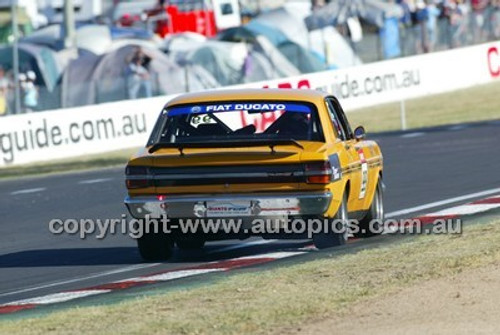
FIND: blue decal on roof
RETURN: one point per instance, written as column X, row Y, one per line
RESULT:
column 246, row 106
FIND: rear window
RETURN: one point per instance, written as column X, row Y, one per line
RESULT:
column 242, row 120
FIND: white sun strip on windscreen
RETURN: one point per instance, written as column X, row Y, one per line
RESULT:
column 238, row 115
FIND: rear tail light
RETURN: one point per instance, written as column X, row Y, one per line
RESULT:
column 137, row 183
column 137, row 177
column 318, row 173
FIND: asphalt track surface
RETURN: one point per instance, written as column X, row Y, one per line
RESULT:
column 421, row 167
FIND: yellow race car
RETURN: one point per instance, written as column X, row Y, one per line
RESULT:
column 267, row 162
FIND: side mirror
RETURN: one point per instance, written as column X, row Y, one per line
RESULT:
column 359, row 133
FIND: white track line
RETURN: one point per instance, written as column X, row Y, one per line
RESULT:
column 167, row 276
column 242, row 245
column 275, row 255
column 458, row 127
column 411, row 135
column 95, row 181
column 79, row 279
column 125, row 269
column 442, row 202
column 467, row 209
column 29, row 190
column 171, row 275
column 57, row 297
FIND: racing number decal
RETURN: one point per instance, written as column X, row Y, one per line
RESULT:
column 364, row 174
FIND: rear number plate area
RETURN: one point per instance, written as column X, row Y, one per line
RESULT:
column 226, row 209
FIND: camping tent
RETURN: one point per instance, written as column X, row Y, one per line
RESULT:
column 217, row 59
column 302, row 58
column 383, row 15
column 265, row 40
column 289, row 25
column 229, row 62
column 324, row 45
column 338, row 12
column 293, row 53
column 93, row 79
column 43, row 62
column 182, row 41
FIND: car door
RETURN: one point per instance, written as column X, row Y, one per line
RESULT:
column 357, row 167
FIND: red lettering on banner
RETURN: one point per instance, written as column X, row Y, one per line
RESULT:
column 304, row 84
column 494, row 61
column 285, row 85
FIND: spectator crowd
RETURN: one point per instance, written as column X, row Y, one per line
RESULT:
column 448, row 23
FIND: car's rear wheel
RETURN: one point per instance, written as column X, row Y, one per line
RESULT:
column 372, row 223
column 190, row 243
column 155, row 246
column 330, row 237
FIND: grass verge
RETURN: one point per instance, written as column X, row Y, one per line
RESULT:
column 479, row 103
column 113, row 158
column 287, row 296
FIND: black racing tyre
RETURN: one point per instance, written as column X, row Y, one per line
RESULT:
column 333, row 238
column 155, row 246
column 190, row 243
column 375, row 215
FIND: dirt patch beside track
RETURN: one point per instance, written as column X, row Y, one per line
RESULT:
column 465, row 303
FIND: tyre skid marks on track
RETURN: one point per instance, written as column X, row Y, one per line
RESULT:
column 475, row 207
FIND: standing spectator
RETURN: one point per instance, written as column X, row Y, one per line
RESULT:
column 455, row 13
column 494, row 20
column 30, row 93
column 432, row 15
column 406, row 27
column 138, row 76
column 420, row 22
column 406, row 18
column 478, row 23
column 464, row 7
column 247, row 66
column 4, row 89
column 317, row 4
